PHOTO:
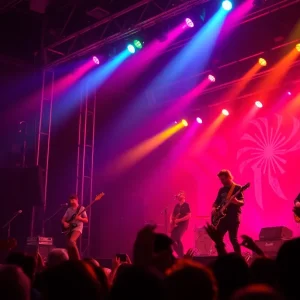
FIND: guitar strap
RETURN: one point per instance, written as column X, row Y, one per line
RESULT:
column 76, row 213
column 230, row 191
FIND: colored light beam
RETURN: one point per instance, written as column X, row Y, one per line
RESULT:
column 138, row 63
column 136, row 154
column 194, row 56
column 278, row 72
column 207, row 134
column 234, row 18
column 242, row 83
column 96, row 78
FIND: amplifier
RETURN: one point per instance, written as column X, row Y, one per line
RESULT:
column 39, row 240
column 275, row 233
column 270, row 248
column 43, row 250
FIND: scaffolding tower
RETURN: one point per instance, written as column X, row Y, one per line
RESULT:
column 85, row 158
column 43, row 140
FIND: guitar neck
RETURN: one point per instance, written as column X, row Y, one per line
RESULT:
column 232, row 197
column 87, row 207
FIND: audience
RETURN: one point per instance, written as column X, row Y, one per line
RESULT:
column 155, row 274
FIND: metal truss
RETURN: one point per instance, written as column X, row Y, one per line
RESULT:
column 115, row 27
column 85, row 158
column 43, row 137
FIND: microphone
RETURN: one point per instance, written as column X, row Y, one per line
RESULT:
column 64, row 205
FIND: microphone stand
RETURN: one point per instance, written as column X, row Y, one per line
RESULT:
column 53, row 215
column 7, row 224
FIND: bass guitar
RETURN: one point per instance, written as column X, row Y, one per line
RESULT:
column 68, row 229
column 220, row 212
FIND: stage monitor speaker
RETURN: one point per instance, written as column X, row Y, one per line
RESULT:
column 203, row 242
column 275, row 233
column 270, row 248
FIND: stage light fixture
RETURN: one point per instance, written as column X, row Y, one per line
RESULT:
column 131, row 48
column 96, row 60
column 298, row 47
column 225, row 112
column 138, row 44
column 189, row 23
column 184, row 123
column 211, row 78
column 262, row 62
column 199, row 120
column 227, row 5
column 289, row 93
column 258, row 104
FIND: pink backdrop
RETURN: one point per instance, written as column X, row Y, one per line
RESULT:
column 266, row 153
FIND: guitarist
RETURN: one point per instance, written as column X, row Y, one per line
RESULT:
column 74, row 208
column 231, row 221
column 179, row 222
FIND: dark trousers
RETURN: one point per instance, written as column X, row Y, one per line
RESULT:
column 176, row 235
column 232, row 226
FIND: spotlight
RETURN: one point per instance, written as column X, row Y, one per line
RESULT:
column 189, row 22
column 211, row 78
column 184, row 123
column 298, row 47
column 225, row 112
column 289, row 93
column 262, row 62
column 258, row 104
column 96, row 60
column 199, row 120
column 131, row 48
column 138, row 44
column 227, row 5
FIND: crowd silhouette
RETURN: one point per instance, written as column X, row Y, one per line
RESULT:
column 154, row 273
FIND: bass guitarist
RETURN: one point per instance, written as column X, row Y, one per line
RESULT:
column 179, row 222
column 231, row 221
column 77, row 223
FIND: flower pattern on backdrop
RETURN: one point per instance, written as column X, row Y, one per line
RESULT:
column 266, row 149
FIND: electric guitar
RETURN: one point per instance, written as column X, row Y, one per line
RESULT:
column 220, row 212
column 173, row 224
column 68, row 229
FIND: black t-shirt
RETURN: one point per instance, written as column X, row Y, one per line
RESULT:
column 233, row 210
column 181, row 211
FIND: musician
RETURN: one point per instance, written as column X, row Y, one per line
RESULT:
column 180, row 221
column 74, row 208
column 231, row 221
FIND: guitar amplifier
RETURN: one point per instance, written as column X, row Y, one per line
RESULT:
column 275, row 233
column 39, row 244
column 39, row 240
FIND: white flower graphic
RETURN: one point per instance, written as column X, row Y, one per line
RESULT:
column 266, row 151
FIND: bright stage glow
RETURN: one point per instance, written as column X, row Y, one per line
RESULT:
column 184, row 123
column 137, row 44
column 199, row 120
column 227, row 5
column 96, row 60
column 225, row 112
column 211, row 78
column 258, row 104
column 131, row 48
column 262, row 62
column 289, row 93
column 189, row 22
column 298, row 47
